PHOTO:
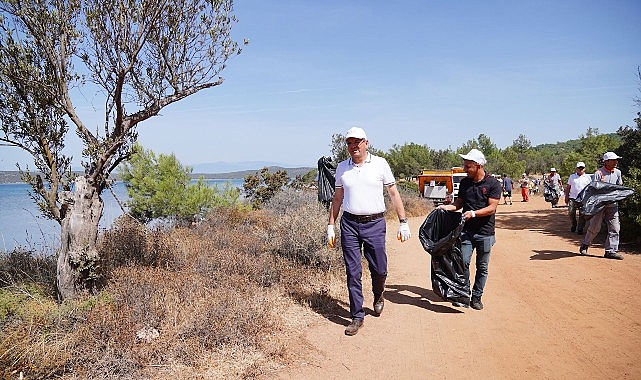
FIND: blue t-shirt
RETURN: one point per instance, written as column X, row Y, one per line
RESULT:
column 507, row 183
column 475, row 196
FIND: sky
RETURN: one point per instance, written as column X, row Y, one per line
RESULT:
column 434, row 73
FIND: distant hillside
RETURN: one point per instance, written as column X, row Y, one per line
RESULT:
column 14, row 176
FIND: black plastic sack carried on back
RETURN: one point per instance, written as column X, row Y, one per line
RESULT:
column 596, row 195
column 326, row 180
column 440, row 235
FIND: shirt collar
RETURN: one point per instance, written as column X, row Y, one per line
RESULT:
column 368, row 159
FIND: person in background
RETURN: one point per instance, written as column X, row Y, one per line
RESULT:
column 610, row 213
column 359, row 191
column 577, row 182
column 507, row 189
column 525, row 184
column 554, row 183
column 478, row 197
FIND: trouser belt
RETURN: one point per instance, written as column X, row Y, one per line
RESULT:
column 363, row 218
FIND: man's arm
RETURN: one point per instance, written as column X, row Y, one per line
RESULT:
column 337, row 202
column 397, row 202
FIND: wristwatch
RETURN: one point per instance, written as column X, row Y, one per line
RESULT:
column 404, row 220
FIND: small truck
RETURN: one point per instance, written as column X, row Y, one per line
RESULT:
column 440, row 186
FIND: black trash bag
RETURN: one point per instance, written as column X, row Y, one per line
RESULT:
column 326, row 180
column 596, row 195
column 550, row 194
column 440, row 235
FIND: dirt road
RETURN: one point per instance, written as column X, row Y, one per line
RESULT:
column 549, row 313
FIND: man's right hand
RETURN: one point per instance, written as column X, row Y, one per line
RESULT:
column 331, row 236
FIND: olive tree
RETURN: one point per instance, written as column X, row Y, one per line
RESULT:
column 140, row 55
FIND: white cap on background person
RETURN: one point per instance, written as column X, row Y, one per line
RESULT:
column 357, row 133
column 474, row 155
column 610, row 156
column 552, row 169
column 580, row 164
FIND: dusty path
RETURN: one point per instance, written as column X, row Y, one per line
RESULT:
column 549, row 314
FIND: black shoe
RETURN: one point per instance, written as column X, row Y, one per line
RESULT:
column 583, row 249
column 460, row 304
column 476, row 303
column 613, row 255
column 353, row 327
column 378, row 305
column 573, row 228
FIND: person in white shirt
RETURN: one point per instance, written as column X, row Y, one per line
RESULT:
column 577, row 182
column 359, row 191
column 609, row 214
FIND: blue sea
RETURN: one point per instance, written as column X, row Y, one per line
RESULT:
column 22, row 224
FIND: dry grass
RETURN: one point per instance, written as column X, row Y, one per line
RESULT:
column 225, row 299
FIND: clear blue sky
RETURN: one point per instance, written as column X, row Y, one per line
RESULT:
column 437, row 73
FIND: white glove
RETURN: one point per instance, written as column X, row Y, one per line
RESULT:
column 403, row 232
column 331, row 236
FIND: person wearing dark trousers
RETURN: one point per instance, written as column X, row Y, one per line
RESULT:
column 360, row 181
column 478, row 197
column 577, row 182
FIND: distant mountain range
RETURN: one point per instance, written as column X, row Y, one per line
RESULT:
column 214, row 170
column 227, row 167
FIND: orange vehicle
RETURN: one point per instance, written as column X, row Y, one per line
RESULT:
column 440, row 186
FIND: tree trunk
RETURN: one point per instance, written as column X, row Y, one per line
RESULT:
column 82, row 209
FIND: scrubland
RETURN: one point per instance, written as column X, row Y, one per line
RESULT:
column 227, row 298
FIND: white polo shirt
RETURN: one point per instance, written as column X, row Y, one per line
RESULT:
column 363, row 184
column 577, row 183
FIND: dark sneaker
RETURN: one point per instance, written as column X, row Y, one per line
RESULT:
column 353, row 327
column 476, row 303
column 378, row 305
column 583, row 249
column 460, row 304
column 613, row 255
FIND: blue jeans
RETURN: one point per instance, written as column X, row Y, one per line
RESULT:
column 483, row 245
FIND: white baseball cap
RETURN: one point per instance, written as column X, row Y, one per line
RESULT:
column 610, row 156
column 552, row 169
column 580, row 164
column 356, row 132
column 474, row 155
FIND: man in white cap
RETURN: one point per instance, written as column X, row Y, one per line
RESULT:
column 478, row 196
column 359, row 191
column 553, row 185
column 577, row 182
column 525, row 187
column 610, row 213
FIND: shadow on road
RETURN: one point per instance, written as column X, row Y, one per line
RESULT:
column 419, row 297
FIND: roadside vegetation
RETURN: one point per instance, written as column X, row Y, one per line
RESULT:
column 223, row 298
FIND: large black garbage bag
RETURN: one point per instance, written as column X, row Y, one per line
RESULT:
column 440, row 235
column 596, row 195
column 550, row 194
column 326, row 180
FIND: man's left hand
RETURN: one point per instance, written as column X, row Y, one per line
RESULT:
column 404, row 232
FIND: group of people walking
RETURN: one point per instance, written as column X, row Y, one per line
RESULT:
column 359, row 184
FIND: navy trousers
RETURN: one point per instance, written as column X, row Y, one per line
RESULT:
column 368, row 238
